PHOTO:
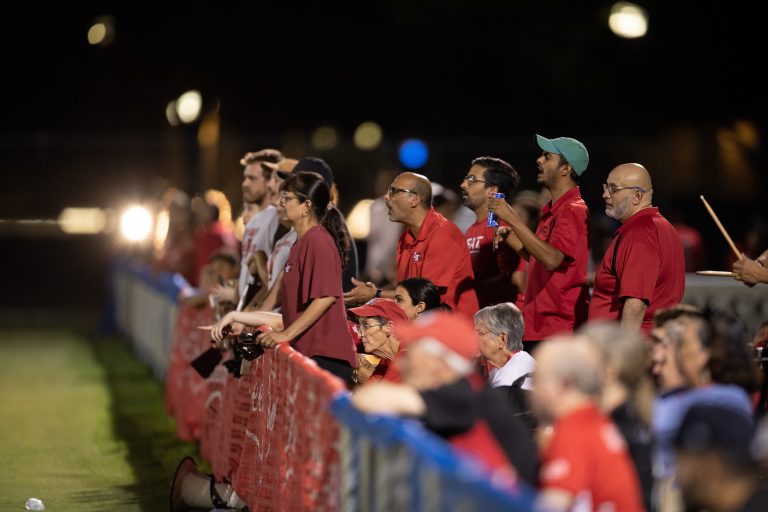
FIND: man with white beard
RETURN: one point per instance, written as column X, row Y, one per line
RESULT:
column 644, row 268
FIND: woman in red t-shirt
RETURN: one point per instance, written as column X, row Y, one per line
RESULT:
column 313, row 318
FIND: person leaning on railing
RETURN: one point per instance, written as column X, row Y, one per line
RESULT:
column 313, row 319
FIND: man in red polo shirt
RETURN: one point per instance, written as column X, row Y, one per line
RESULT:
column 556, row 294
column 644, row 267
column 431, row 247
column 499, row 271
column 585, row 464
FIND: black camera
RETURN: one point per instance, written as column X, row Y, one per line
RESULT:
column 245, row 347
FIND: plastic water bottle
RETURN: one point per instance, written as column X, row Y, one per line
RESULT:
column 493, row 222
column 34, row 504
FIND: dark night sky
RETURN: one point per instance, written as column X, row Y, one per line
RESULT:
column 86, row 125
column 452, row 66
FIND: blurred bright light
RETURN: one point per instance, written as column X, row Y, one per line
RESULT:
column 136, row 224
column 97, row 33
column 239, row 228
column 170, row 113
column 208, row 134
column 746, row 133
column 162, row 225
column 413, row 153
column 220, row 201
column 324, row 138
column 82, row 221
column 188, row 106
column 102, row 31
column 359, row 219
column 368, row 136
column 628, row 20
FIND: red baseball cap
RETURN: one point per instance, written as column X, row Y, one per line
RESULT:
column 452, row 330
column 386, row 308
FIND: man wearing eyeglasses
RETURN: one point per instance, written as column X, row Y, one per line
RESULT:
column 499, row 271
column 431, row 247
column 644, row 267
column 556, row 294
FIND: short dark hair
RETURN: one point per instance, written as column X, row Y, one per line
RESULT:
column 564, row 161
column 499, row 173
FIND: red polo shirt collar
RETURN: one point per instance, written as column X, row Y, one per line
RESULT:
column 427, row 225
column 569, row 196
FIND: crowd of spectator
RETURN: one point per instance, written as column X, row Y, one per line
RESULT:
column 597, row 387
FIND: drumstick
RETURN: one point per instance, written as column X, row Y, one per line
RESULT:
column 722, row 229
column 720, row 273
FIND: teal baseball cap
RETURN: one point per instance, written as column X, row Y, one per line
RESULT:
column 573, row 151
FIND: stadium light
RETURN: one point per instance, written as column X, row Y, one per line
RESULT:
column 136, row 224
column 188, row 106
column 628, row 20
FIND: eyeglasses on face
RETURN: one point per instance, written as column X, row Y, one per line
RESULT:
column 612, row 189
column 471, row 178
column 284, row 198
column 365, row 327
column 393, row 191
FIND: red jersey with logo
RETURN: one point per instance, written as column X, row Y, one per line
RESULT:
column 557, row 301
column 492, row 268
column 645, row 260
column 587, row 457
column 439, row 253
column 313, row 270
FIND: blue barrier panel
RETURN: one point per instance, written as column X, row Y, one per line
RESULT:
column 393, row 464
column 146, row 308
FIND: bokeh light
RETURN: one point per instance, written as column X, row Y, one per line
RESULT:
column 359, row 219
column 188, row 106
column 628, row 20
column 136, row 223
column 82, row 221
column 102, row 31
column 413, row 153
column 170, row 113
column 325, row 138
column 368, row 136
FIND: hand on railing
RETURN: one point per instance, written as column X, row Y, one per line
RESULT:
column 270, row 339
column 225, row 327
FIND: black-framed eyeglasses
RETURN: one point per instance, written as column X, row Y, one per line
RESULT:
column 393, row 191
column 471, row 178
column 612, row 189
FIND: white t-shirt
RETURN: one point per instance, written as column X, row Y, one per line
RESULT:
column 279, row 255
column 517, row 366
column 258, row 236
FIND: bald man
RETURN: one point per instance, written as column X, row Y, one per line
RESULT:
column 431, row 247
column 585, row 464
column 644, row 267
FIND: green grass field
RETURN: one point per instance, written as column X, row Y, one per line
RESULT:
column 82, row 425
